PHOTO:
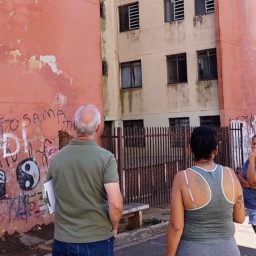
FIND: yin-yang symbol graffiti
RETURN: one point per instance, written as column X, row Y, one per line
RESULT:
column 28, row 174
column 2, row 185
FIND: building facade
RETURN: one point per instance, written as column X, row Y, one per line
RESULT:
column 176, row 62
column 50, row 63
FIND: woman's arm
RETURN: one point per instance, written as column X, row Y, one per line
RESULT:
column 243, row 181
column 176, row 224
column 238, row 210
column 251, row 173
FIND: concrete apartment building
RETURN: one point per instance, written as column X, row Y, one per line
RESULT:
column 178, row 62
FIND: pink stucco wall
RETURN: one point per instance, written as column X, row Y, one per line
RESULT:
column 49, row 64
column 236, row 47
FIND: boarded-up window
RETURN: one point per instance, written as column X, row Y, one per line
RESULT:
column 129, row 17
column 177, row 69
column 131, row 74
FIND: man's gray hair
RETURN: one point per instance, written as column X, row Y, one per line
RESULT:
column 83, row 127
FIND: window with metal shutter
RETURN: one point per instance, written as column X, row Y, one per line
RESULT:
column 134, row 19
column 209, row 6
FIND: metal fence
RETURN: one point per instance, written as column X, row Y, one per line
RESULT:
column 149, row 158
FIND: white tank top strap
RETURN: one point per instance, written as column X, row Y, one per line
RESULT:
column 189, row 190
column 233, row 184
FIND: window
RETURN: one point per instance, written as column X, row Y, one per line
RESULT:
column 177, row 69
column 173, row 10
column 177, row 133
column 204, row 7
column 207, row 65
column 179, row 122
column 131, row 74
column 134, row 134
column 129, row 17
column 102, row 10
column 104, row 68
column 213, row 121
column 107, row 137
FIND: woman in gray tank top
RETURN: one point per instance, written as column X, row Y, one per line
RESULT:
column 206, row 200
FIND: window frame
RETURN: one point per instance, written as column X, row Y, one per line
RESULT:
column 104, row 65
column 207, row 53
column 198, row 11
column 177, row 58
column 212, row 119
column 177, row 137
column 131, row 64
column 134, row 133
column 132, row 20
column 171, row 12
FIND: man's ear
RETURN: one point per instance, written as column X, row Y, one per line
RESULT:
column 98, row 127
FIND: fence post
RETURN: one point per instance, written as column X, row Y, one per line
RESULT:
column 185, row 149
column 120, row 155
column 241, row 143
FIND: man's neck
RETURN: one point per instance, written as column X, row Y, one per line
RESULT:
column 84, row 137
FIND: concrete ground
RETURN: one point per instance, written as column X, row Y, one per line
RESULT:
column 149, row 240
column 156, row 245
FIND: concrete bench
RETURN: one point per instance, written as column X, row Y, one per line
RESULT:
column 133, row 212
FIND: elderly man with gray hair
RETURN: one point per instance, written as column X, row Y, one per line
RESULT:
column 88, row 198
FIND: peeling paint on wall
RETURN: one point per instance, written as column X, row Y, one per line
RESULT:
column 61, row 99
column 51, row 61
column 14, row 57
column 34, row 64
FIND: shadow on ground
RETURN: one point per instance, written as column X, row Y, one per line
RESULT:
column 246, row 251
column 14, row 246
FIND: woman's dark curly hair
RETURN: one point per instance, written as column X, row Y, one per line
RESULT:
column 203, row 141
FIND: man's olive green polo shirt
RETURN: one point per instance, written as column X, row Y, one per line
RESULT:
column 79, row 172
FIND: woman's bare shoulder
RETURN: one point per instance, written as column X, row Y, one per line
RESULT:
column 180, row 176
column 227, row 169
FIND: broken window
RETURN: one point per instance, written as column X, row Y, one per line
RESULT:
column 207, row 65
column 134, row 133
column 131, row 74
column 129, row 17
column 204, row 7
column 174, row 10
column 213, row 121
column 177, row 69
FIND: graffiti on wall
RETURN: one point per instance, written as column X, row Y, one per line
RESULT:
column 22, row 207
column 13, row 124
column 2, row 184
column 28, row 174
column 28, row 158
column 249, row 129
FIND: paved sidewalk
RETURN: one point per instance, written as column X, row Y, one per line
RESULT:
column 156, row 245
column 150, row 240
